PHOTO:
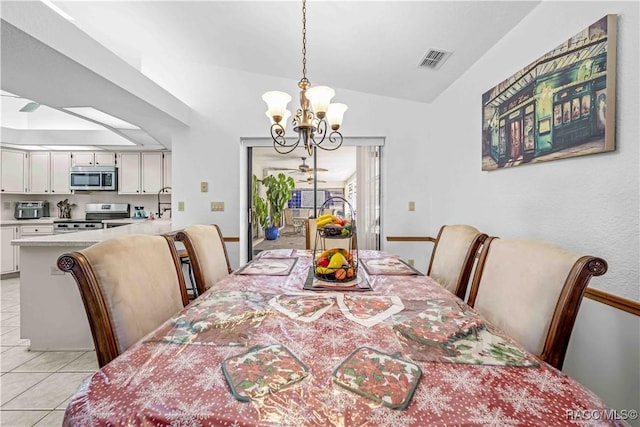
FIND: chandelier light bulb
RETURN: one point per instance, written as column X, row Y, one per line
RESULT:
column 335, row 114
column 320, row 97
column 276, row 104
column 283, row 121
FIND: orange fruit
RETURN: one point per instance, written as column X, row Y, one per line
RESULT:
column 341, row 274
column 350, row 272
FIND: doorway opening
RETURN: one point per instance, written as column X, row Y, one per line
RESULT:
column 352, row 172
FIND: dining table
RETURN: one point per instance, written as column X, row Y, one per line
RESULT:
column 274, row 345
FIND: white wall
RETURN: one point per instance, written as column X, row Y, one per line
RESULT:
column 587, row 204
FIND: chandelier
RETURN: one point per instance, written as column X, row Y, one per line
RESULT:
column 315, row 115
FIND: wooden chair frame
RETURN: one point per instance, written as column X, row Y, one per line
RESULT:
column 465, row 273
column 566, row 310
column 196, row 263
column 102, row 330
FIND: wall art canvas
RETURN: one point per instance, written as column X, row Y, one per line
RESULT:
column 561, row 105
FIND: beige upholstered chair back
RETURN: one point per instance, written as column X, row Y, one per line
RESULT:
column 532, row 290
column 207, row 254
column 453, row 257
column 310, row 236
column 129, row 285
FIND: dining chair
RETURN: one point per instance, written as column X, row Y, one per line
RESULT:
column 532, row 290
column 207, row 254
column 129, row 286
column 453, row 256
column 310, row 237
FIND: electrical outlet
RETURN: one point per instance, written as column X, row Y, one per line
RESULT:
column 412, row 206
column 411, row 262
column 217, row 206
column 204, row 187
column 180, row 206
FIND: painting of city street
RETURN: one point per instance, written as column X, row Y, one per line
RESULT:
column 561, row 105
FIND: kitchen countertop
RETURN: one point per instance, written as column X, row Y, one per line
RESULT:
column 46, row 220
column 87, row 238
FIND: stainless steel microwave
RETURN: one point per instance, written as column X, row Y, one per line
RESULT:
column 94, row 178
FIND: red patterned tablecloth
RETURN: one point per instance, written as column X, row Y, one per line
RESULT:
column 163, row 382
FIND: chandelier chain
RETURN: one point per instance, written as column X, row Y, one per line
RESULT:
column 304, row 40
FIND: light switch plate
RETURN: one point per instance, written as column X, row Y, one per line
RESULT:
column 217, row 206
column 180, row 206
column 204, row 187
column 412, row 206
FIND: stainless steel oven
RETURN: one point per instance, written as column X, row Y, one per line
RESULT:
column 95, row 213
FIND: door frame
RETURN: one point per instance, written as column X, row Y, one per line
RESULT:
column 246, row 176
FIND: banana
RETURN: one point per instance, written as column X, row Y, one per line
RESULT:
column 325, row 270
column 320, row 222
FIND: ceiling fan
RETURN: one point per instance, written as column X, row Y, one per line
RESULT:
column 303, row 168
column 309, row 180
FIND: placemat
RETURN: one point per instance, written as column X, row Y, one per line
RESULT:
column 381, row 377
column 360, row 284
column 262, row 370
column 389, row 266
column 276, row 253
column 303, row 307
column 368, row 310
column 268, row 267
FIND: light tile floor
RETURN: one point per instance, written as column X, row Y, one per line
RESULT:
column 35, row 387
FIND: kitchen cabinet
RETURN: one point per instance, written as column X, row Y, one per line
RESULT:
column 141, row 173
column 166, row 172
column 49, row 172
column 151, row 170
column 36, row 230
column 60, row 164
column 129, row 173
column 90, row 158
column 9, row 254
column 13, row 177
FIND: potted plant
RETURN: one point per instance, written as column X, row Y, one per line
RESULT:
column 278, row 194
column 260, row 207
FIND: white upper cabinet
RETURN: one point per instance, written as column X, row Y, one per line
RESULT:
column 152, row 164
column 90, row 158
column 143, row 173
column 166, row 173
column 13, row 177
column 129, row 173
column 39, row 172
column 60, row 165
column 49, row 172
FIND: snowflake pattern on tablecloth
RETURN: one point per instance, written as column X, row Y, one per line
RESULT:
column 390, row 418
column 432, row 399
column 522, row 400
column 157, row 393
column 465, row 381
column 491, row 417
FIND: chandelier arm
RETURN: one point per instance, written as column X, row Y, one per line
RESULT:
column 279, row 140
column 335, row 139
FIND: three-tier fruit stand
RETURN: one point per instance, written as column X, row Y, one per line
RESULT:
column 329, row 239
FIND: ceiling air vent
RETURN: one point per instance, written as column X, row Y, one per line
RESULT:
column 434, row 59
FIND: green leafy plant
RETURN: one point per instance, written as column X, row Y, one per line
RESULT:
column 260, row 207
column 278, row 194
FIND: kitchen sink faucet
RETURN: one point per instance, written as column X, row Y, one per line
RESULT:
column 160, row 212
